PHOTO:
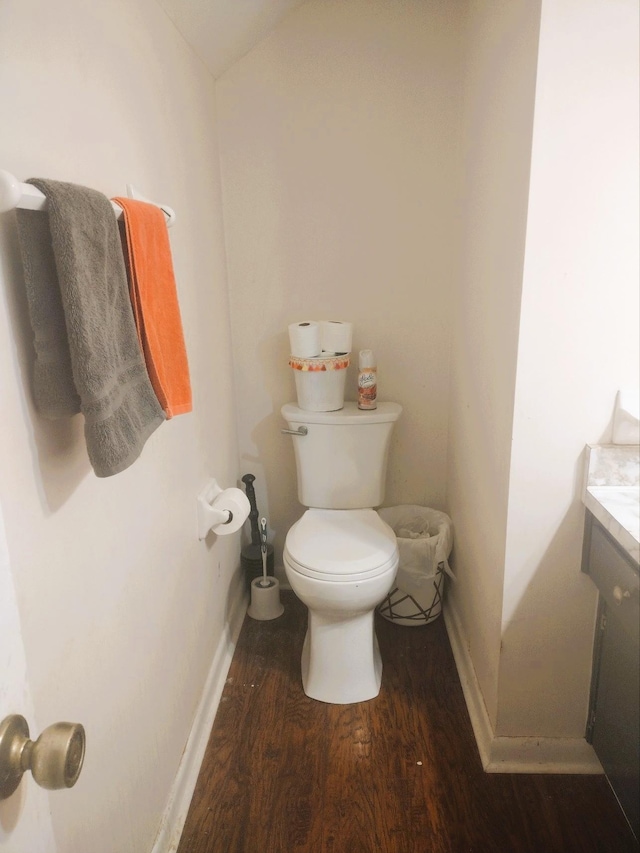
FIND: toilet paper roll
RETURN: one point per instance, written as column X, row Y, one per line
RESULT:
column 238, row 504
column 304, row 339
column 335, row 336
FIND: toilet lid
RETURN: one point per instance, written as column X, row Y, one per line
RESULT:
column 344, row 544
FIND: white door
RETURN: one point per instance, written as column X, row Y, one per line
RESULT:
column 25, row 819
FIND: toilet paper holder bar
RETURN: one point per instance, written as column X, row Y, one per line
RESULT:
column 302, row 430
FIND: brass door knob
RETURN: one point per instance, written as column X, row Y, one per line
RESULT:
column 55, row 758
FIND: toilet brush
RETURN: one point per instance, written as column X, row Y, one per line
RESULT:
column 265, row 590
column 251, row 554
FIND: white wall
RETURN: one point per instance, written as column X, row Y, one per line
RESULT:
column 545, row 332
column 578, row 345
column 337, row 138
column 223, row 30
column 122, row 609
column 499, row 82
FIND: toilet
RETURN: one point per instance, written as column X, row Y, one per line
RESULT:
column 341, row 558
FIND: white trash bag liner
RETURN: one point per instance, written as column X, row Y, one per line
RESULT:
column 425, row 539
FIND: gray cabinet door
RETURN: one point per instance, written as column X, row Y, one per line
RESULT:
column 614, row 726
column 616, row 731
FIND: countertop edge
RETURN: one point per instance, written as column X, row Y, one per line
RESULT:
column 622, row 536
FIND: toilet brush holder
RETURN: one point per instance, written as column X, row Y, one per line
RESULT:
column 265, row 599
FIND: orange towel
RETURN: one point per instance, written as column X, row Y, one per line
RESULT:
column 154, row 300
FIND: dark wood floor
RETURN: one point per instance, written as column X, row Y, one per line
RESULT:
column 398, row 774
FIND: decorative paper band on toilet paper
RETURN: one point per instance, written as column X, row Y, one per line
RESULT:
column 340, row 362
column 320, row 382
column 335, row 336
column 304, row 339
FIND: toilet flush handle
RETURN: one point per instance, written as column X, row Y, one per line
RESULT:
column 302, row 430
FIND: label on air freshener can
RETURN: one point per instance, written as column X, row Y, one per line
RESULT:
column 367, row 388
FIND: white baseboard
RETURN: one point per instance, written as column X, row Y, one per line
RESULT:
column 175, row 815
column 512, row 754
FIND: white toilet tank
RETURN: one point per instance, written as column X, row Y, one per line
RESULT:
column 342, row 460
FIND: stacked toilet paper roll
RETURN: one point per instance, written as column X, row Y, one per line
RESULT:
column 316, row 339
column 304, row 339
column 335, row 336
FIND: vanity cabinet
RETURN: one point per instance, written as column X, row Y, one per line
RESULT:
column 613, row 726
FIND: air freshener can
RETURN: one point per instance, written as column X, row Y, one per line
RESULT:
column 367, row 380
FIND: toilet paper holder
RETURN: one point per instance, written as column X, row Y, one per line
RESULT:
column 222, row 510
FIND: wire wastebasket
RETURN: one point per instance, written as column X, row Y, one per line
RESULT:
column 425, row 540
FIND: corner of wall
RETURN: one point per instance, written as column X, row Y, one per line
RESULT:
column 512, row 754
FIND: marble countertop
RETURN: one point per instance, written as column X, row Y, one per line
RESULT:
column 612, row 492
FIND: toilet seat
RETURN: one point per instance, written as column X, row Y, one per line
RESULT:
column 341, row 545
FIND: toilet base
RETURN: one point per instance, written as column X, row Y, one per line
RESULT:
column 341, row 660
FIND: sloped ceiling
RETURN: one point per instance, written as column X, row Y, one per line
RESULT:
column 222, row 31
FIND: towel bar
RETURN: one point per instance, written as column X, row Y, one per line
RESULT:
column 13, row 193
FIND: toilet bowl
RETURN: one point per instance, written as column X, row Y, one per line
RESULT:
column 341, row 564
column 341, row 558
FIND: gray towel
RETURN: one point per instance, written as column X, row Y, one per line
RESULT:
column 54, row 390
column 119, row 404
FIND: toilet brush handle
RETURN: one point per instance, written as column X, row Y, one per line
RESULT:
column 263, row 535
